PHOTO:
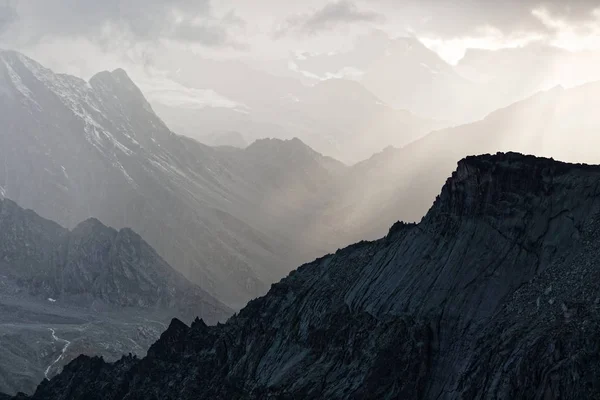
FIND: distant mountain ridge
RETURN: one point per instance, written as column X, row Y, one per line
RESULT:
column 559, row 123
column 337, row 117
column 93, row 263
column 73, row 150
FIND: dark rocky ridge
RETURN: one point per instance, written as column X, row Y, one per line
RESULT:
column 492, row 295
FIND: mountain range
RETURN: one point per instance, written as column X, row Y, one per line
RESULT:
column 399, row 91
column 492, row 295
column 235, row 220
column 72, row 150
column 337, row 117
column 92, row 290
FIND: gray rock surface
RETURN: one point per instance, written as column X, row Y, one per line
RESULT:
column 491, row 295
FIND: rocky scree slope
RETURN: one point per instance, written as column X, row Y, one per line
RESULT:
column 491, row 295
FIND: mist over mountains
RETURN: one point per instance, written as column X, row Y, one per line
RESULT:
column 153, row 215
column 79, row 149
column 559, row 123
column 336, row 117
column 396, row 76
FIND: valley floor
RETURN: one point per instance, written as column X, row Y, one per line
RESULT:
column 38, row 338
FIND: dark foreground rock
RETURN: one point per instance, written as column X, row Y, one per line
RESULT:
column 493, row 295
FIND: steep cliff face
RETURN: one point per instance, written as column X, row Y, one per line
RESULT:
column 492, row 295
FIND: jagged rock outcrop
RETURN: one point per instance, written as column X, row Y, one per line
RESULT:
column 491, row 295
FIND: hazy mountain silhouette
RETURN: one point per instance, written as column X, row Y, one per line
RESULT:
column 337, row 117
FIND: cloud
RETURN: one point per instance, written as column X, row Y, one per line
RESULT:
column 479, row 17
column 329, row 17
column 192, row 21
column 8, row 15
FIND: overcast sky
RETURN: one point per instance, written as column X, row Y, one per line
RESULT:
column 269, row 28
column 82, row 37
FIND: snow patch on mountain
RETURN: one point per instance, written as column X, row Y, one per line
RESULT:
column 19, row 85
column 428, row 68
column 81, row 99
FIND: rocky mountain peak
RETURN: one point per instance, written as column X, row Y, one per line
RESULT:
column 171, row 341
column 120, row 84
column 89, row 226
column 293, row 150
column 492, row 185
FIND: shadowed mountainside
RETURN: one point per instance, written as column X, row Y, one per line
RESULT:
column 492, row 295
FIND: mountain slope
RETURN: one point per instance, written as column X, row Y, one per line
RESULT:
column 91, row 290
column 509, row 250
column 72, row 150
